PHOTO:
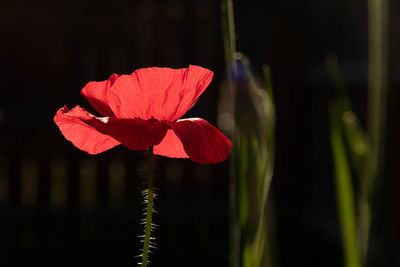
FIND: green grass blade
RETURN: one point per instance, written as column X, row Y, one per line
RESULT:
column 356, row 141
column 344, row 193
column 256, row 101
column 356, row 138
column 228, row 28
column 376, row 120
column 227, row 115
column 377, row 83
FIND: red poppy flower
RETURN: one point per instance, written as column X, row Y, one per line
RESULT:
column 143, row 110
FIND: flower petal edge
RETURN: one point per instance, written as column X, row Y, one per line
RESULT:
column 80, row 134
column 202, row 142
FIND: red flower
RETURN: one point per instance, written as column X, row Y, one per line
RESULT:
column 143, row 110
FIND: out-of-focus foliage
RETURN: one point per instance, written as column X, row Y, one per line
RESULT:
column 349, row 148
column 354, row 151
column 254, row 138
column 247, row 114
column 252, row 170
column 344, row 189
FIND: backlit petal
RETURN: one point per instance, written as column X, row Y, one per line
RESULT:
column 170, row 146
column 163, row 94
column 82, row 135
column 95, row 93
column 202, row 142
column 135, row 134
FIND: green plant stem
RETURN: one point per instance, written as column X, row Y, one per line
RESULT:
column 228, row 25
column 377, row 80
column 344, row 192
column 377, row 84
column 228, row 94
column 228, row 29
column 149, row 208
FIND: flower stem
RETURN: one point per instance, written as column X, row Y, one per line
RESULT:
column 149, row 208
column 227, row 104
column 376, row 123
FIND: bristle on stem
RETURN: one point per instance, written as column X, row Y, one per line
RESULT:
column 148, row 196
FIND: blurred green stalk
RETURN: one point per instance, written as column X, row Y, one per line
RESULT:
column 254, row 149
column 247, row 104
column 227, row 108
column 344, row 189
column 228, row 25
column 349, row 149
column 365, row 150
column 377, row 86
column 343, row 178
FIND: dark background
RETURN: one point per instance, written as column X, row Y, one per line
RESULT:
column 62, row 207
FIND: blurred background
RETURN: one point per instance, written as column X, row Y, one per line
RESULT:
column 62, row 207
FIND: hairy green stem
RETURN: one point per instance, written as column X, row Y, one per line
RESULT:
column 149, row 209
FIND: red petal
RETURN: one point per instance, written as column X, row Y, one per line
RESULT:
column 163, row 94
column 202, row 142
column 170, row 146
column 133, row 133
column 82, row 135
column 96, row 94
